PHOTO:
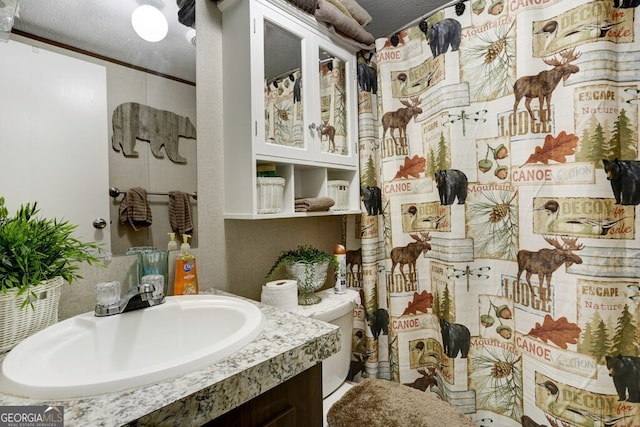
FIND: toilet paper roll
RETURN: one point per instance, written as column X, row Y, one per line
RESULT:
column 280, row 293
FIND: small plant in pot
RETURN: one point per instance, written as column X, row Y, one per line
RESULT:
column 309, row 266
column 36, row 255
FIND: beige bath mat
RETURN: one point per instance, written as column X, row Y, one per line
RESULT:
column 382, row 403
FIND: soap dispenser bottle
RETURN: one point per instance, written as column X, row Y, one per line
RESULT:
column 172, row 245
column 186, row 278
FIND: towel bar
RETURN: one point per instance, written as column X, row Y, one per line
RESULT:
column 115, row 192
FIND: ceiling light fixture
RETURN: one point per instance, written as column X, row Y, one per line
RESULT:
column 149, row 23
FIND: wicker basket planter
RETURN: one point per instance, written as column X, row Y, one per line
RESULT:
column 310, row 277
column 19, row 323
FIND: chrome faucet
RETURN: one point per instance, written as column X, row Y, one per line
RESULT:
column 142, row 296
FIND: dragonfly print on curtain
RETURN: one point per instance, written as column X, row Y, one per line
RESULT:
column 514, row 298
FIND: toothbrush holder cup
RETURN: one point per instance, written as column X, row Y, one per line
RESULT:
column 153, row 262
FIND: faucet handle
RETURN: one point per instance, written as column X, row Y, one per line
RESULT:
column 156, row 280
column 107, row 293
column 107, row 298
column 146, row 290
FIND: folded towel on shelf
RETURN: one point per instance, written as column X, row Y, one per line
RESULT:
column 313, row 204
column 134, row 209
column 180, row 212
column 343, row 24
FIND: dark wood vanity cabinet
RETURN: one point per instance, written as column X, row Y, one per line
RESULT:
column 296, row 402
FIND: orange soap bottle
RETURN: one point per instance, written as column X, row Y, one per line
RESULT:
column 186, row 277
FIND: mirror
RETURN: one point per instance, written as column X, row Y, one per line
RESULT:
column 94, row 24
column 283, row 87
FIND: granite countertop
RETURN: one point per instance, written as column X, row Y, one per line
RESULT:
column 288, row 345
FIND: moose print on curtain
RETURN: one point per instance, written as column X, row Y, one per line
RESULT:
column 504, row 256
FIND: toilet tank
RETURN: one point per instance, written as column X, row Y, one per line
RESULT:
column 336, row 309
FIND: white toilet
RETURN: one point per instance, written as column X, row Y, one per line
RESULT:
column 336, row 309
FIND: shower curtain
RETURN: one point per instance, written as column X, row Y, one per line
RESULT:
column 498, row 258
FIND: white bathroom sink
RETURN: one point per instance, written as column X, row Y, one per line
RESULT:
column 87, row 355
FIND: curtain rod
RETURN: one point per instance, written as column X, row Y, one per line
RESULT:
column 282, row 75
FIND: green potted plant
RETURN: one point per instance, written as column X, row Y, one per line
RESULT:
column 309, row 266
column 36, row 255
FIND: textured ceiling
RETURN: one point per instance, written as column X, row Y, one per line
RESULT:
column 103, row 27
column 393, row 15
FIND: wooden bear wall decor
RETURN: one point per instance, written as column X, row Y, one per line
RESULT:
column 161, row 128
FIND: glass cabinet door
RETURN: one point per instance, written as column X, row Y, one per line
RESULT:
column 283, row 111
column 333, row 115
column 336, row 117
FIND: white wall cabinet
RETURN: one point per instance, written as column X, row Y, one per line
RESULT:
column 290, row 98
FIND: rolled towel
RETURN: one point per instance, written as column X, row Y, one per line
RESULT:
column 134, row 209
column 343, row 24
column 180, row 212
column 341, row 7
column 357, row 12
column 187, row 13
column 314, row 204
